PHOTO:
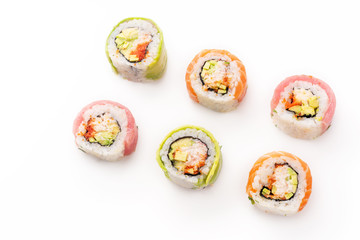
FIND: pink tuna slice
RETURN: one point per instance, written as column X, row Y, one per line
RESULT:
column 329, row 113
column 131, row 133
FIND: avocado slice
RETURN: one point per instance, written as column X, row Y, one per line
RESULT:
column 293, row 176
column 105, row 138
column 124, row 38
column 296, row 109
column 125, row 44
column 133, row 58
column 120, row 42
column 265, row 191
column 291, row 171
column 209, row 67
column 213, row 63
column 171, row 154
column 183, row 142
column 129, row 34
column 206, row 65
column 222, row 86
column 289, row 195
column 307, row 111
column 180, row 156
column 179, row 165
column 313, row 102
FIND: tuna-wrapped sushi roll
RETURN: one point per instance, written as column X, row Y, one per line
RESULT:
column 303, row 106
column 279, row 183
column 135, row 49
column 190, row 156
column 216, row 79
column 105, row 129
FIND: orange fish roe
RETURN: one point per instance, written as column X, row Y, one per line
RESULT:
column 90, row 131
column 140, row 50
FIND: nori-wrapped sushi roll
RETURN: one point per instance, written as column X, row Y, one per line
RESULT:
column 303, row 106
column 216, row 79
column 105, row 129
column 135, row 49
column 190, row 156
column 279, row 183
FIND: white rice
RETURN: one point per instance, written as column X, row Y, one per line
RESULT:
column 179, row 177
column 128, row 70
column 287, row 207
column 306, row 128
column 210, row 99
column 113, row 152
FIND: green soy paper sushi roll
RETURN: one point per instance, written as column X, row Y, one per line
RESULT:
column 190, row 156
column 135, row 49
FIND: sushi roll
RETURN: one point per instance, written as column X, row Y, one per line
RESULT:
column 190, row 157
column 135, row 49
column 279, row 183
column 216, row 79
column 303, row 106
column 105, row 129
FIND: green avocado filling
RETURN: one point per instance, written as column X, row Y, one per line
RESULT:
column 104, row 138
column 102, row 129
column 282, row 185
column 214, row 76
column 188, row 155
column 303, row 103
column 132, row 44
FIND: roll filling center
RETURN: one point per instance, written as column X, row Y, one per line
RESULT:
column 282, row 183
column 214, row 76
column 188, row 155
column 102, row 129
column 133, row 43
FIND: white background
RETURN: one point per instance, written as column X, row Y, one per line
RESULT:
column 53, row 63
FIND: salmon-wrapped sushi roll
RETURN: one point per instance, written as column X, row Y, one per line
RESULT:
column 279, row 183
column 303, row 106
column 190, row 156
column 216, row 79
column 105, row 129
column 135, row 49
